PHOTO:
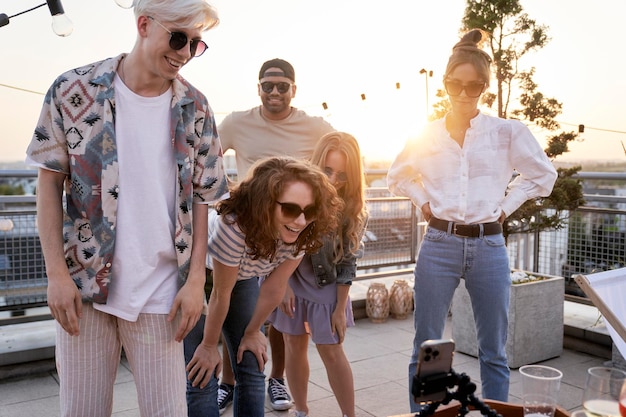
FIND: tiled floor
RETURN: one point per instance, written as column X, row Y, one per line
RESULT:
column 379, row 354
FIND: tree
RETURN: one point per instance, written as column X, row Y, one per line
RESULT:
column 514, row 35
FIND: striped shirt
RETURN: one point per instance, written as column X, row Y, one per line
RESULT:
column 227, row 244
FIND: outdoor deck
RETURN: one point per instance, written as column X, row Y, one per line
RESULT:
column 378, row 353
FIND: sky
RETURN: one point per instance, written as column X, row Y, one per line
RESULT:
column 341, row 50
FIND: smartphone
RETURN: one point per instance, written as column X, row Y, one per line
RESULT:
column 435, row 358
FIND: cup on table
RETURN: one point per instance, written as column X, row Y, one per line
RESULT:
column 602, row 391
column 540, row 390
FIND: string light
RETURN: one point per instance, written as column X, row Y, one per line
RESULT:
column 22, row 89
column 124, row 4
column 580, row 127
column 61, row 24
column 591, row 128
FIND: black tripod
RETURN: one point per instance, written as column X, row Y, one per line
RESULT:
column 439, row 383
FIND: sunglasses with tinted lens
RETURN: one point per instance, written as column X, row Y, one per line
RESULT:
column 454, row 88
column 340, row 176
column 178, row 40
column 293, row 211
column 268, row 87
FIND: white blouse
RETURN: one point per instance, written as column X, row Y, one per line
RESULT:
column 472, row 184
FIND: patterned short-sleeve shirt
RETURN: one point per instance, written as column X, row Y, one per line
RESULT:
column 75, row 135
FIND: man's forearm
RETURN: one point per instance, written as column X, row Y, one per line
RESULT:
column 50, row 221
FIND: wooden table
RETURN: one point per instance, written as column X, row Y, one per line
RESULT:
column 506, row 409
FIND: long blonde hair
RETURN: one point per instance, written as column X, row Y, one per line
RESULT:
column 354, row 214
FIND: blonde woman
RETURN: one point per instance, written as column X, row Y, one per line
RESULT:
column 317, row 301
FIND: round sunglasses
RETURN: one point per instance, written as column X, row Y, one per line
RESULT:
column 178, row 40
column 292, row 211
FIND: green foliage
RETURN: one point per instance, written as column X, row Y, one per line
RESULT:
column 558, row 145
column 549, row 212
column 535, row 107
column 8, row 189
column 441, row 107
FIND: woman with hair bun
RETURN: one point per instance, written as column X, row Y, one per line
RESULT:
column 458, row 172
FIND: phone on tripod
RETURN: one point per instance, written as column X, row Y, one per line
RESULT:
column 434, row 364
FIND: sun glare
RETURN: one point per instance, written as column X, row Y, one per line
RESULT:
column 381, row 120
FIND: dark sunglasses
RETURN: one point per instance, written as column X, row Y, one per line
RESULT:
column 179, row 40
column 454, row 88
column 340, row 176
column 293, row 211
column 268, row 87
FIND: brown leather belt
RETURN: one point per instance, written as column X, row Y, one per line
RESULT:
column 466, row 230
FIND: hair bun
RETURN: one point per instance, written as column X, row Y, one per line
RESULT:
column 471, row 42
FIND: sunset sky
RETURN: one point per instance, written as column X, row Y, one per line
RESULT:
column 340, row 49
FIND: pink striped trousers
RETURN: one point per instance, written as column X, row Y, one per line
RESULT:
column 87, row 364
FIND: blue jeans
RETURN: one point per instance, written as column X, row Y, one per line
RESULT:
column 483, row 262
column 249, row 396
column 200, row 401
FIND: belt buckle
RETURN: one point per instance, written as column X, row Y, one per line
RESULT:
column 455, row 228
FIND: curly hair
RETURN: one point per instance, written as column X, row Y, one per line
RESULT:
column 468, row 51
column 354, row 214
column 252, row 204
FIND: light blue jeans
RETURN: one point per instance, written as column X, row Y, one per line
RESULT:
column 249, row 398
column 483, row 262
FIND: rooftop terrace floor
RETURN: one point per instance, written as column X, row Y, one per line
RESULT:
column 379, row 355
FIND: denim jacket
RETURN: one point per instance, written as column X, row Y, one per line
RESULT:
column 325, row 268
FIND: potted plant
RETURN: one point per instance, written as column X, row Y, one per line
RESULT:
column 535, row 319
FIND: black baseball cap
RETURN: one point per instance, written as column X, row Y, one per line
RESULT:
column 284, row 66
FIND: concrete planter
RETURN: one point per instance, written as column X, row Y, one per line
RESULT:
column 535, row 322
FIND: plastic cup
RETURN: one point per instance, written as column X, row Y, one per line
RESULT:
column 540, row 390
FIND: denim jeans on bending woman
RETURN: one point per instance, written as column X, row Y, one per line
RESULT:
column 483, row 262
column 249, row 399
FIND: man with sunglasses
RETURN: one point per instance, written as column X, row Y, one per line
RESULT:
column 275, row 128
column 133, row 146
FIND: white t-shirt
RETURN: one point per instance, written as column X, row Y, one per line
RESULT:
column 254, row 137
column 144, row 261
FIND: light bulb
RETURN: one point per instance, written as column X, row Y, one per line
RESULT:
column 125, row 4
column 62, row 25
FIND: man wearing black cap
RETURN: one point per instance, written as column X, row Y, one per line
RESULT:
column 274, row 128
